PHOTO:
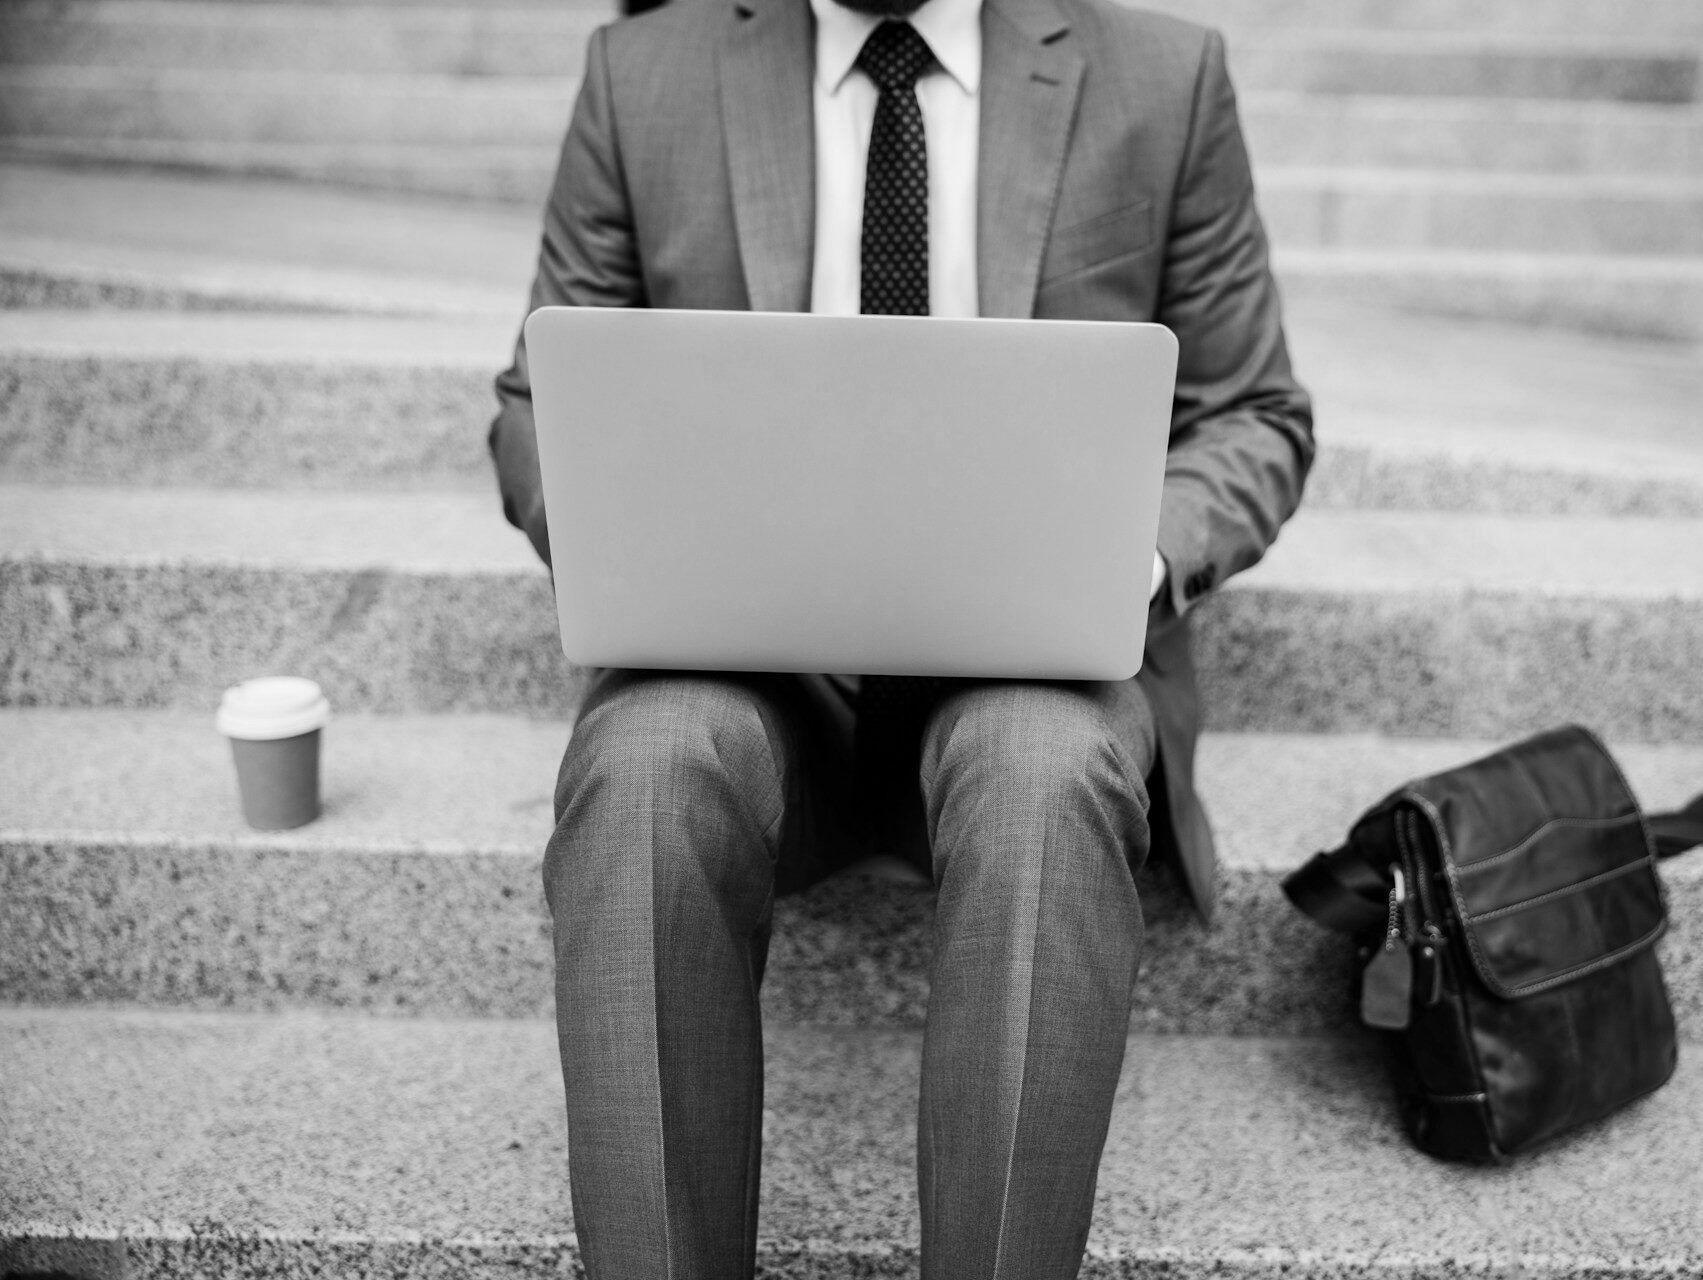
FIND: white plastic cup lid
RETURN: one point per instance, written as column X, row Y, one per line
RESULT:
column 273, row 707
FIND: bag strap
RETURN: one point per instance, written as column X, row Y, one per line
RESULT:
column 1342, row 891
column 1678, row 831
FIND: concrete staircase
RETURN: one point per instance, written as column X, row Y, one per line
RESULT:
column 241, row 431
column 1540, row 162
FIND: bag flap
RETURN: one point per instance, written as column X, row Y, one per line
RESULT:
column 1549, row 865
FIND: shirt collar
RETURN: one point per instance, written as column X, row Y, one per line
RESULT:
column 952, row 28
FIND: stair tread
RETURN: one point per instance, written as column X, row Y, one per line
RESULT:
column 242, row 283
column 548, row 90
column 1626, row 266
column 420, row 532
column 1398, row 28
column 479, row 343
column 128, row 876
column 1346, row 132
column 1535, row 16
column 444, row 1142
column 1462, row 625
column 465, row 783
column 1393, row 381
column 568, row 29
column 1416, row 181
column 231, row 226
column 269, row 244
column 265, row 236
column 1531, row 400
column 1338, row 551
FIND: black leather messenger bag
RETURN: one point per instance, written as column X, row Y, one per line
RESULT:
column 1506, row 913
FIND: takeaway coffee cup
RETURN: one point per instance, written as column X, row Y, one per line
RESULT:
column 273, row 724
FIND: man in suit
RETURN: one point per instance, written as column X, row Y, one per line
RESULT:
column 1051, row 158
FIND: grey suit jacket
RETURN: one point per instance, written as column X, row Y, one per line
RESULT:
column 1113, row 185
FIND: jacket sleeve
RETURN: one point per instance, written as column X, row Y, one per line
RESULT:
column 588, row 257
column 1241, row 428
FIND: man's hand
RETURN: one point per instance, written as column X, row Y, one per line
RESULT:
column 1159, row 575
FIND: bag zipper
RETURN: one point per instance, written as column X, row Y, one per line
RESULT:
column 1407, row 841
column 1426, row 937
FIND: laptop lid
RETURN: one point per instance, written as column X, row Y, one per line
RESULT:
column 851, row 494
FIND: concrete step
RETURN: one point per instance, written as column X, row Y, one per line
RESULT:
column 1422, row 622
column 128, row 876
column 204, row 1146
column 266, row 42
column 1504, row 136
column 100, row 238
column 93, row 238
column 84, row 238
column 499, row 172
column 205, row 102
column 1410, row 209
column 510, row 40
column 436, row 40
column 1284, row 129
column 1655, row 297
column 1651, row 18
column 1559, row 17
column 1306, row 206
column 1628, row 68
column 1535, row 423
column 1420, row 412
column 272, row 224
column 125, row 103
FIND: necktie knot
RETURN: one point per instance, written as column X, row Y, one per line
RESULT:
column 894, row 56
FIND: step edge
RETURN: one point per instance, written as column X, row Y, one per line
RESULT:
column 1361, row 1261
column 1256, row 870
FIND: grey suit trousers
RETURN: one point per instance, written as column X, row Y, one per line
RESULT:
column 686, row 801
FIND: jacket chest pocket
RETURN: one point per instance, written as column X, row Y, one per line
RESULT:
column 1121, row 233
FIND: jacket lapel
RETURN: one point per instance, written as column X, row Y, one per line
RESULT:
column 1031, row 79
column 764, row 70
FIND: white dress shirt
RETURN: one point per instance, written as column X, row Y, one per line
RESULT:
column 950, row 98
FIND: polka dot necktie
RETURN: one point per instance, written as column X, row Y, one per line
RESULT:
column 895, row 192
column 892, row 710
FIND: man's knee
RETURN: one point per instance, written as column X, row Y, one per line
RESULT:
column 662, row 752
column 1029, row 739
column 1026, row 757
column 659, row 734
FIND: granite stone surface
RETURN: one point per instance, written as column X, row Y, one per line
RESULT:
column 1469, row 210
column 525, row 39
column 468, row 934
column 374, row 639
column 1489, row 665
column 1523, row 422
column 127, row 875
column 32, row 285
column 459, row 101
column 186, row 238
column 1576, row 137
column 187, row 422
column 421, row 1147
column 1403, row 381
column 1459, row 663
column 543, row 40
column 177, row 421
column 1354, row 477
column 1625, row 294
column 264, row 237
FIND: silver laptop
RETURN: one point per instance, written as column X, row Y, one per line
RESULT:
column 846, row 494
